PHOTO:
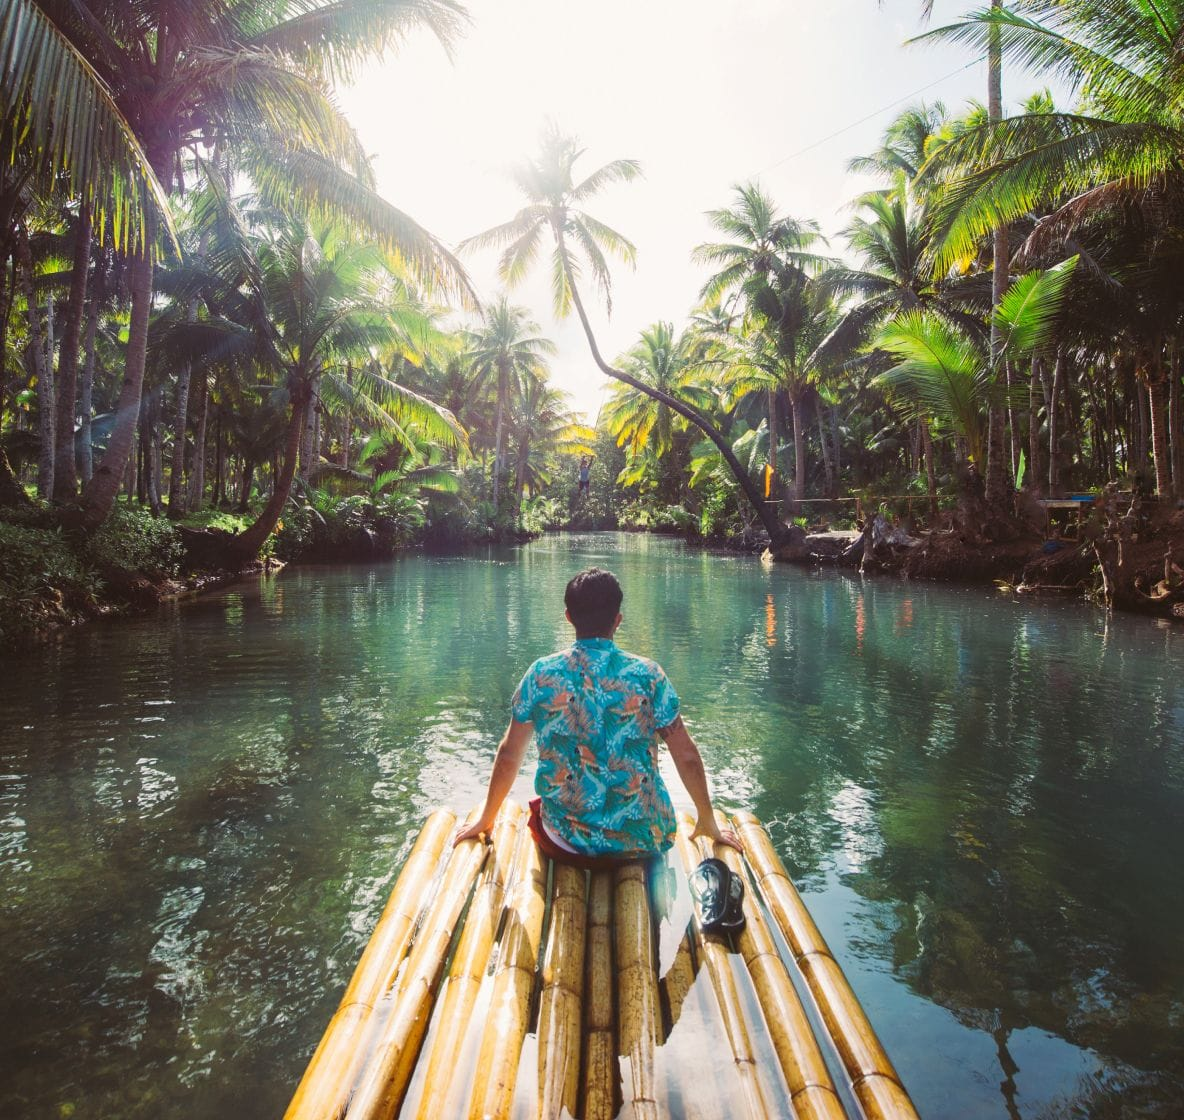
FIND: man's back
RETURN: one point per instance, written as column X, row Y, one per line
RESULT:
column 595, row 710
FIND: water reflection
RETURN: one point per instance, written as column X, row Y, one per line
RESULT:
column 201, row 814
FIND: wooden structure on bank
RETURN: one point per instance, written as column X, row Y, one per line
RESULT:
column 499, row 985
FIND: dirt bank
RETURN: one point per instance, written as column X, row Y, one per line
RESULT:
column 1131, row 565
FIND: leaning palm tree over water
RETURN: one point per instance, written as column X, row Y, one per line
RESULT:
column 555, row 208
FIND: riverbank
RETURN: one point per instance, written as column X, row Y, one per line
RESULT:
column 1128, row 564
column 49, row 582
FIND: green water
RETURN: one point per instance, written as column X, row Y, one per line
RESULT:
column 982, row 800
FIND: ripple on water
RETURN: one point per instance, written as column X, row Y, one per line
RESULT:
column 978, row 797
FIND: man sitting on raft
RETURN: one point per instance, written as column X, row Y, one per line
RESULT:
column 595, row 710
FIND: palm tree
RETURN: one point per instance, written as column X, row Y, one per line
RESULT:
column 767, row 264
column 1121, row 150
column 554, row 201
column 641, row 422
column 195, row 76
column 948, row 373
column 544, row 427
column 330, row 304
column 508, row 350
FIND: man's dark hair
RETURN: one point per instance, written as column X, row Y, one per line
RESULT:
column 593, row 599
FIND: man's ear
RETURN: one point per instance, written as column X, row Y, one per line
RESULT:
column 617, row 622
column 567, row 615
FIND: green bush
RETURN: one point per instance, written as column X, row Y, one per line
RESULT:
column 134, row 540
column 328, row 528
column 540, row 513
column 42, row 580
column 218, row 519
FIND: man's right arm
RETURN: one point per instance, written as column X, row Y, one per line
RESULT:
column 506, row 764
column 689, row 764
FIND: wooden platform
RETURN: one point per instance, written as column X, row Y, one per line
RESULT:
column 499, row 985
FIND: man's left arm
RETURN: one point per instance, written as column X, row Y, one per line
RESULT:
column 506, row 764
column 684, row 751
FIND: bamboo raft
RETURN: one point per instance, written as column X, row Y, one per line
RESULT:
column 593, row 995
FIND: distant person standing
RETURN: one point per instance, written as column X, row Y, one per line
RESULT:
column 585, row 474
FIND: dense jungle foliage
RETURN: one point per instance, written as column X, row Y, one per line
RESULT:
column 221, row 343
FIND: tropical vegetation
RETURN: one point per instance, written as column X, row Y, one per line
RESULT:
column 212, row 319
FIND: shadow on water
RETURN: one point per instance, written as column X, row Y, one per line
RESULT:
column 201, row 814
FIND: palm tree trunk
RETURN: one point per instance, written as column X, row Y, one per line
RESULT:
column 99, row 495
column 197, row 475
column 996, row 478
column 796, row 405
column 65, row 473
column 41, row 369
column 86, row 393
column 761, row 508
column 1012, row 428
column 1034, row 467
column 499, row 424
column 150, row 442
column 247, row 544
column 930, row 473
column 1157, row 405
column 835, row 443
column 827, row 468
column 773, row 433
column 245, row 481
column 307, row 439
column 219, row 466
column 1176, row 423
column 177, row 495
column 348, row 421
column 1054, row 435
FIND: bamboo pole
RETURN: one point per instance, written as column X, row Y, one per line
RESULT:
column 600, row 1080
column 811, row 1090
column 560, row 1034
column 387, row 1072
column 513, row 985
column 638, row 1016
column 713, row 954
column 676, row 984
column 463, row 983
column 325, row 1087
column 873, row 1077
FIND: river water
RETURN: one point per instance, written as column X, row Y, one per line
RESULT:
column 982, row 801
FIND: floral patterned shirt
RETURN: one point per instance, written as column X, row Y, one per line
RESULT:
column 595, row 710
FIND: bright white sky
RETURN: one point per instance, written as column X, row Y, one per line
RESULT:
column 704, row 94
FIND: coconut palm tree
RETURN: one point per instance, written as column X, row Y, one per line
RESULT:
column 764, row 265
column 330, row 305
column 507, row 350
column 580, row 241
column 185, row 78
column 640, row 422
column 543, row 427
column 945, row 372
column 1120, row 152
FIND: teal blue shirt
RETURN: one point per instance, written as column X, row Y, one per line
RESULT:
column 595, row 710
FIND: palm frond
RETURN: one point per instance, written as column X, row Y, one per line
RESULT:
column 1030, row 307
column 334, row 195
column 60, row 110
column 332, row 39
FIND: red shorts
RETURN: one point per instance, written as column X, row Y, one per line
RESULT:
column 553, row 851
